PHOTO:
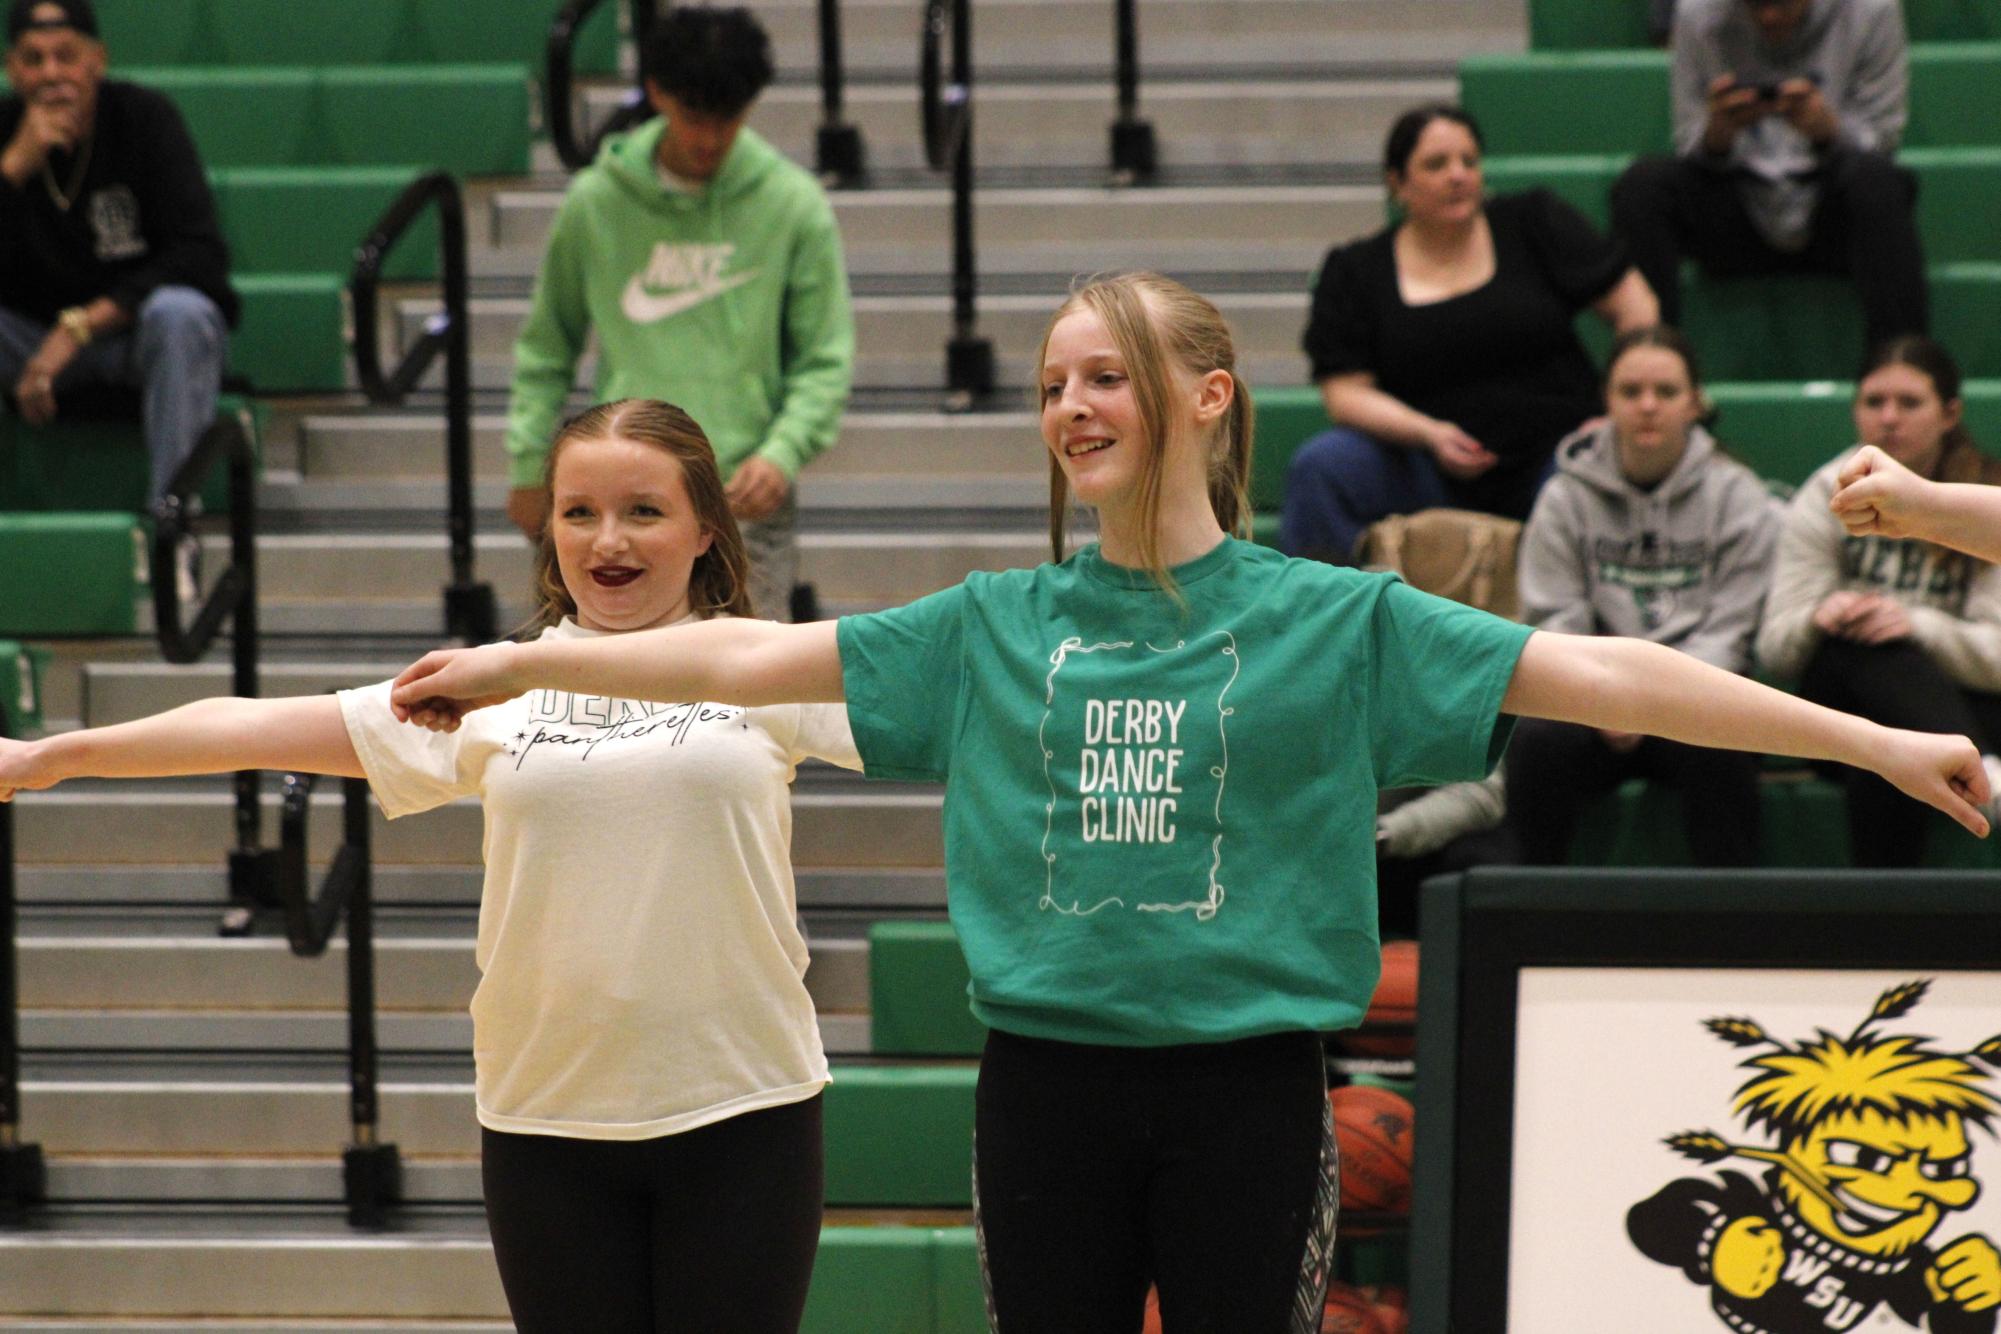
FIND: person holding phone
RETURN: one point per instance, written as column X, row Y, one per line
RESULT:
column 1786, row 113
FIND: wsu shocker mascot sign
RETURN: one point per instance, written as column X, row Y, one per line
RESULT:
column 1871, row 1157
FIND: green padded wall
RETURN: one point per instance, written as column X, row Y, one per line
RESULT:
column 1617, row 101
column 896, row 1280
column 1287, row 416
column 348, row 32
column 98, row 562
column 917, row 992
column 900, row 1136
column 1570, row 25
column 470, row 119
column 21, row 667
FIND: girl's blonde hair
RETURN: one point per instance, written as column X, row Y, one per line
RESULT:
column 719, row 583
column 1157, row 323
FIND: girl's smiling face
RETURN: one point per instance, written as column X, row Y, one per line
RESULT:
column 1090, row 421
column 625, row 533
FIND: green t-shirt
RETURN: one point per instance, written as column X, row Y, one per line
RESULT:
column 1159, row 827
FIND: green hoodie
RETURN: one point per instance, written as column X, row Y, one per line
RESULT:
column 731, row 303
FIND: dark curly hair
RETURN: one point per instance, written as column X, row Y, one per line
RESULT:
column 715, row 61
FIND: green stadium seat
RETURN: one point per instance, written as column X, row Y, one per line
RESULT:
column 1784, row 432
column 1576, row 25
column 917, row 992
column 900, row 1136
column 93, row 462
column 102, row 560
column 1959, row 190
column 470, row 119
column 351, row 32
column 293, row 335
column 21, row 667
column 1805, row 825
column 1616, row 101
column 310, row 219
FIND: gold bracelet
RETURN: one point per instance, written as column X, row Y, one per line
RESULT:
column 76, row 323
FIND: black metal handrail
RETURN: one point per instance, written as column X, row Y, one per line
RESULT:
column 838, row 154
column 559, row 81
column 945, row 109
column 371, row 1171
column 233, row 597
column 1135, row 154
column 23, row 1178
column 469, row 606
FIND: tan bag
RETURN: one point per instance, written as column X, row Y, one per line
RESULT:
column 1459, row 554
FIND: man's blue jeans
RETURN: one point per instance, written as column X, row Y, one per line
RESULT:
column 173, row 354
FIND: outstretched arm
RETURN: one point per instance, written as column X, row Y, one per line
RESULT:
column 1630, row 685
column 210, row 736
column 1877, row 495
column 725, row 661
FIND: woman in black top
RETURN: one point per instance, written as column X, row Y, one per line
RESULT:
column 1444, row 345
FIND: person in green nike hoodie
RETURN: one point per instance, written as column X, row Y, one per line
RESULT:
column 709, row 267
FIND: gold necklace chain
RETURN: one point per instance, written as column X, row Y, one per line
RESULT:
column 64, row 198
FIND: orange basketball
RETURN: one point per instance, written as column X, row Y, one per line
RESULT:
column 1394, row 1002
column 1349, row 1312
column 1372, row 1126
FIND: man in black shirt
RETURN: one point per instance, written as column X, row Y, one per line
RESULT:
column 112, row 266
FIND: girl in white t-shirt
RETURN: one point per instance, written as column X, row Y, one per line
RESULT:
column 648, row 1062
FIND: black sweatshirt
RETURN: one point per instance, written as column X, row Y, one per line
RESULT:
column 143, row 217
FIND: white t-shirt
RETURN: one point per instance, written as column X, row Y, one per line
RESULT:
column 642, row 971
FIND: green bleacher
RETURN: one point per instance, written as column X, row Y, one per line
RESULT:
column 1582, row 25
column 350, row 32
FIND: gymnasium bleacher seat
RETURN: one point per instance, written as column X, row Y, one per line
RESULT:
column 1572, row 25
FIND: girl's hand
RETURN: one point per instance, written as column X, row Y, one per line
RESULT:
column 1877, row 619
column 23, row 768
column 1941, row 771
column 440, row 688
column 1835, row 611
column 1877, row 496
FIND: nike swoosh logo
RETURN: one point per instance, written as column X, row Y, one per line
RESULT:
column 642, row 307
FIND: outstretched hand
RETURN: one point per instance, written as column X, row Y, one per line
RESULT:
column 21, row 771
column 1877, row 496
column 444, row 685
column 1941, row 771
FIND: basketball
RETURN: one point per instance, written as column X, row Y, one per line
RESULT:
column 1373, row 1128
column 1349, row 1312
column 1394, row 1002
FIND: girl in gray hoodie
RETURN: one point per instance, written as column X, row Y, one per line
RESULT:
column 1646, row 530
column 1892, row 628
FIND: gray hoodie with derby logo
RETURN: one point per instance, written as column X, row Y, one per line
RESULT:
column 1683, row 563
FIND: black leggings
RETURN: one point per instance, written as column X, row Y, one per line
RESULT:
column 711, row 1229
column 1897, row 685
column 1207, row 1170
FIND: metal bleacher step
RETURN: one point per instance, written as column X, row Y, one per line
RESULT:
column 191, row 821
column 353, row 570
column 1180, row 36
column 1239, row 122
column 874, row 444
column 271, row 1264
column 901, row 339
column 1246, row 227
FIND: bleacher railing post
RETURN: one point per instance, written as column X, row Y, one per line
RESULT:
column 23, row 1177
column 371, row 1171
column 1135, row 154
column 838, row 154
column 946, row 109
column 469, row 606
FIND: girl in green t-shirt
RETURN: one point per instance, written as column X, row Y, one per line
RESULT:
column 1162, row 755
